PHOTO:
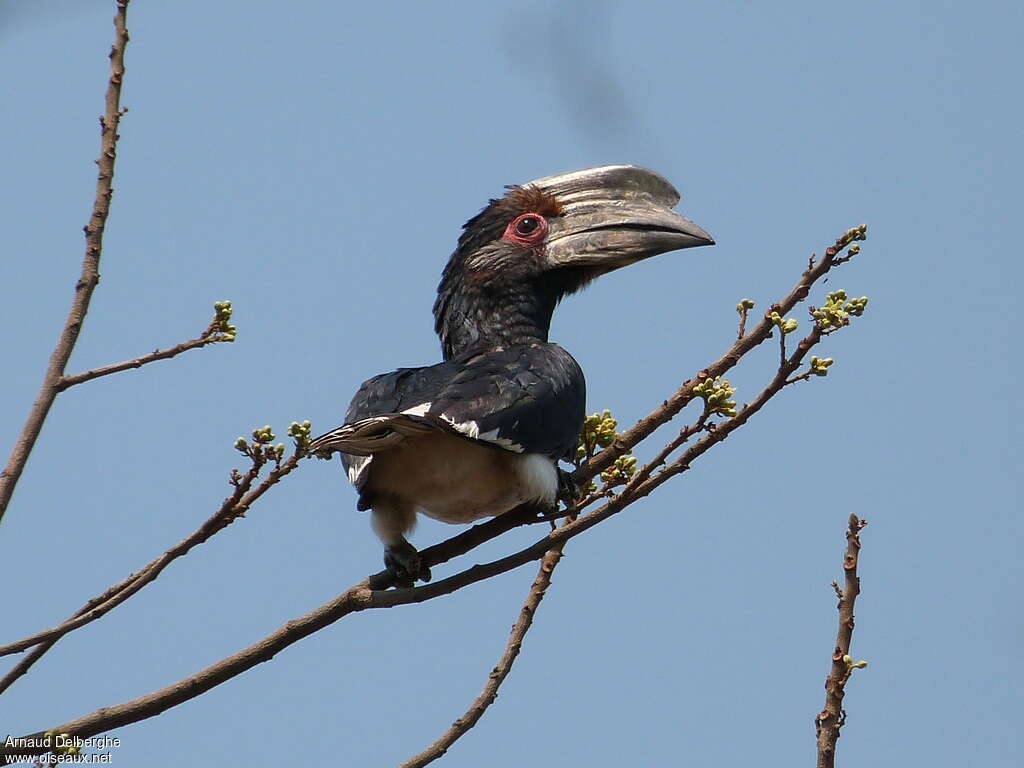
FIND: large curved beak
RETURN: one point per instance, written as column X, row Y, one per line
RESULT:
column 613, row 216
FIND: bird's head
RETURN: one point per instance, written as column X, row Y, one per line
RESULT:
column 543, row 240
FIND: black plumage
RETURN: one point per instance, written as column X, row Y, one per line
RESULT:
column 482, row 432
column 530, row 396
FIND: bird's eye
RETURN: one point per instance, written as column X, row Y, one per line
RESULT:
column 528, row 229
column 527, row 225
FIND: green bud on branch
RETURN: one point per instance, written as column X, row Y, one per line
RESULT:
column 717, row 395
column 300, row 433
column 854, row 235
column 820, row 365
column 623, row 469
column 220, row 329
column 786, row 325
column 836, row 311
column 263, row 436
column 598, row 432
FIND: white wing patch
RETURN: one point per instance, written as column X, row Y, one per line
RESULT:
column 418, row 410
column 357, row 466
column 491, row 436
column 470, row 429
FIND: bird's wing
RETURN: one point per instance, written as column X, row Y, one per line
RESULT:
column 525, row 399
column 528, row 399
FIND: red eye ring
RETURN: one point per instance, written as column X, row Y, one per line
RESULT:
column 527, row 229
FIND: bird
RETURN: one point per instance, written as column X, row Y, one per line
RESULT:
column 483, row 431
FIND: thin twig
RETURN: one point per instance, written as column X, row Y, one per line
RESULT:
column 490, row 692
column 232, row 508
column 90, row 276
column 829, row 721
column 682, row 396
column 805, row 376
column 684, row 435
column 640, row 486
column 209, row 336
column 26, row 663
column 743, row 308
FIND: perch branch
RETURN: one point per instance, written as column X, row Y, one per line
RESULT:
column 90, row 275
column 229, row 510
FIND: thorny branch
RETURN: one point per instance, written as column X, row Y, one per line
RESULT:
column 829, row 721
column 372, row 592
column 90, row 275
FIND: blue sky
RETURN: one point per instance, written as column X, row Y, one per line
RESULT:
column 314, row 166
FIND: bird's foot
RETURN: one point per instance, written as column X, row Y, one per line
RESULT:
column 568, row 490
column 405, row 564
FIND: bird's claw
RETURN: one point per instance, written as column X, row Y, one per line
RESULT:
column 405, row 564
column 568, row 490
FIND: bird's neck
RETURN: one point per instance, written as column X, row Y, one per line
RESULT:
column 477, row 319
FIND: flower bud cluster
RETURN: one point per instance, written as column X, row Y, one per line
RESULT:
column 717, row 394
column 222, row 315
column 836, row 311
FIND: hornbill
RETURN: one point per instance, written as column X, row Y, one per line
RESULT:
column 483, row 431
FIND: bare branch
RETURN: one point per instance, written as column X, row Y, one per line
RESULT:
column 682, row 396
column 684, row 435
column 805, row 376
column 90, row 276
column 490, row 692
column 641, row 485
column 228, row 512
column 359, row 597
column 26, row 663
column 215, row 333
column 233, row 507
column 829, row 721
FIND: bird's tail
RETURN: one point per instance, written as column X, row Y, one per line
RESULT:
column 370, row 436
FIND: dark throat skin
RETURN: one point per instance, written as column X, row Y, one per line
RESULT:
column 475, row 316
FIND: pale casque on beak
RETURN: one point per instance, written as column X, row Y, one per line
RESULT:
column 613, row 216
